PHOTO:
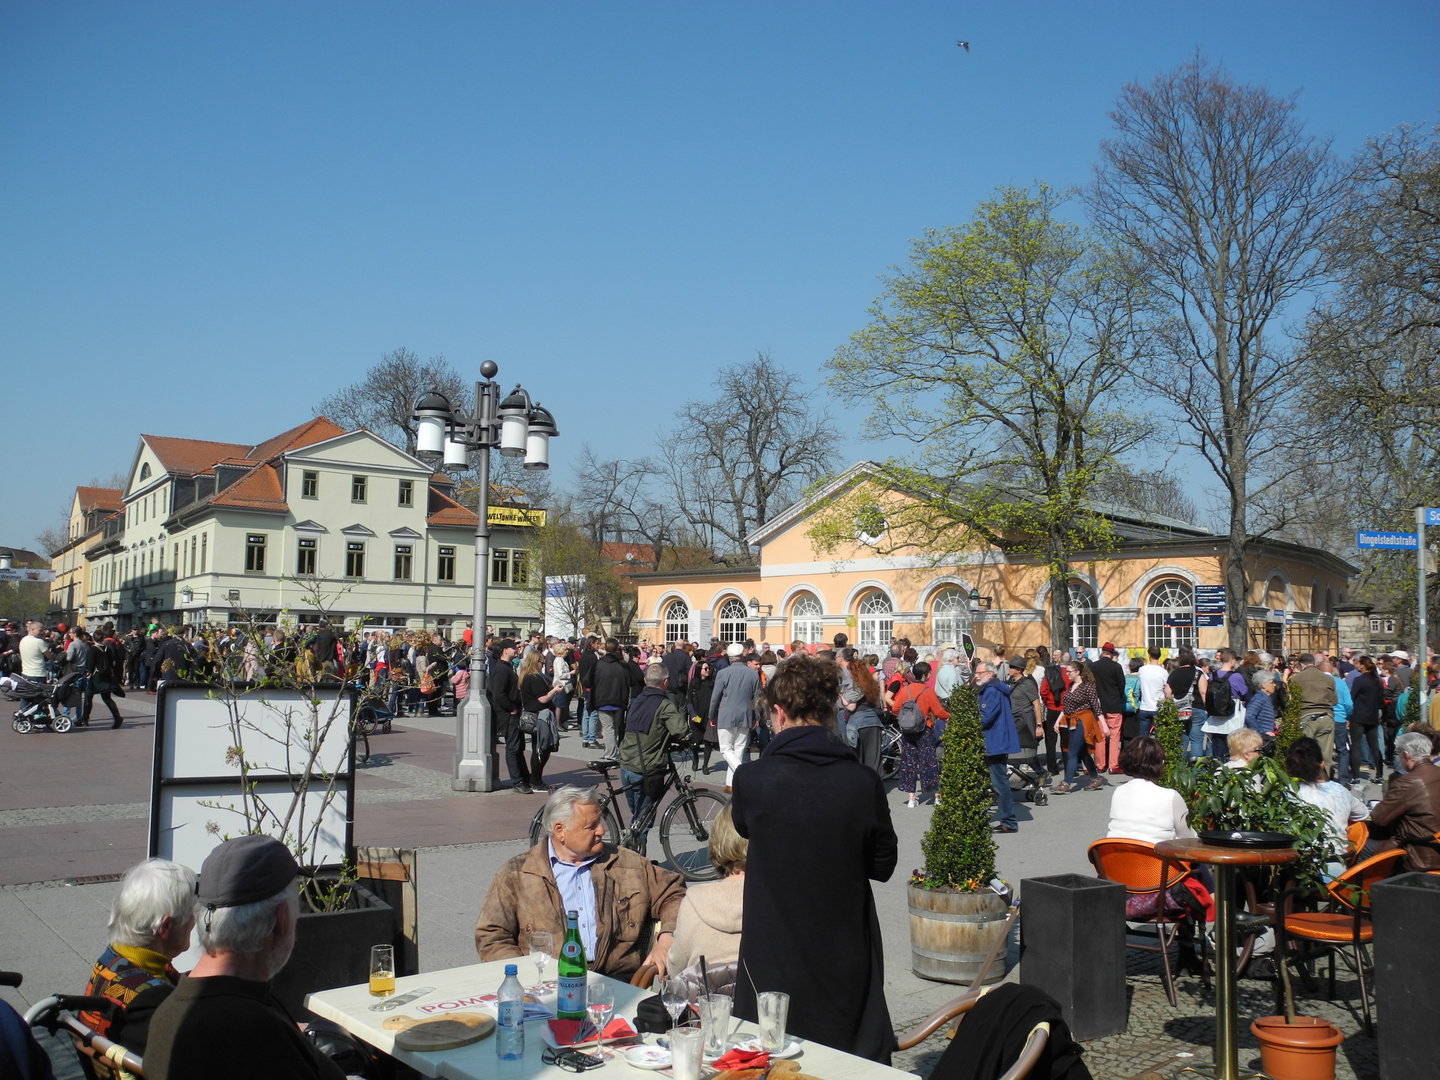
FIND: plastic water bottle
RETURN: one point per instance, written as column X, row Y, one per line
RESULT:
column 510, row 1017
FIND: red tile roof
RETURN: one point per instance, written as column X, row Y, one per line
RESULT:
column 192, row 456
column 258, row 489
column 443, row 510
column 316, row 429
column 98, row 498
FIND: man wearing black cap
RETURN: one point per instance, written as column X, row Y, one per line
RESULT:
column 221, row 1020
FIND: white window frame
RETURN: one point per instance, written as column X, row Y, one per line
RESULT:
column 1084, row 617
column 950, row 616
column 676, row 621
column 1169, row 597
column 806, row 619
column 875, row 621
column 732, row 620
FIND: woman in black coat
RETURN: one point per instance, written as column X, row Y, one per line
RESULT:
column 703, row 735
column 818, row 825
column 1367, row 694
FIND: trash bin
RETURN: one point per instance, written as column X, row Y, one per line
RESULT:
column 1072, row 935
column 1405, row 910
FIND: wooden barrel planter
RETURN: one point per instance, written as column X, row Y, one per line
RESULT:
column 951, row 934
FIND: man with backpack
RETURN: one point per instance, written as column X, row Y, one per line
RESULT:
column 1223, row 711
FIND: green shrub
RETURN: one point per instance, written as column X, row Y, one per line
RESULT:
column 958, row 848
column 1289, row 728
column 1170, row 731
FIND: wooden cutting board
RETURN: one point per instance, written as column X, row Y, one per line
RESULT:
column 443, row 1033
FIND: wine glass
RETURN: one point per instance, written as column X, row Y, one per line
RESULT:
column 599, row 1003
column 672, row 996
column 542, row 947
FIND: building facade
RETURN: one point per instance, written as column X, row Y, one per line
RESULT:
column 316, row 521
column 1140, row 593
column 89, row 509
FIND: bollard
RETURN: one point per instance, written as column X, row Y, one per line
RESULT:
column 1405, row 911
column 1072, row 931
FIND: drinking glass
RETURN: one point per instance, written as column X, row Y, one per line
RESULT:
column 686, row 1046
column 715, row 1019
column 772, row 1007
column 673, row 997
column 382, row 970
column 599, row 1002
column 542, row 947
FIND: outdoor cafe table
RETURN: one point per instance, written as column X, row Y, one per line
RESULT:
column 456, row 989
column 1224, row 860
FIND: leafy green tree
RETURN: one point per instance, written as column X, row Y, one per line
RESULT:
column 959, row 849
column 1002, row 351
column 1170, row 732
column 1288, row 730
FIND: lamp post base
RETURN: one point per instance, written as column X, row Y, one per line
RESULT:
column 477, row 765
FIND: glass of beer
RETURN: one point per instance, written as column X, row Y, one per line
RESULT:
column 382, row 970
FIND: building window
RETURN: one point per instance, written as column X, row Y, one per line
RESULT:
column 876, row 621
column 204, row 549
column 309, row 484
column 677, row 622
column 358, row 486
column 355, row 559
column 175, row 558
column 407, row 492
column 949, row 617
column 254, row 553
column 445, row 565
column 305, row 558
column 1170, row 616
column 500, row 567
column 403, row 562
column 1084, row 619
column 1389, row 626
column 1374, row 626
column 805, row 624
column 194, row 547
column 145, row 471
column 732, row 621
column 519, row 569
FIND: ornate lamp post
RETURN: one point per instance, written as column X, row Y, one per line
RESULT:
column 518, row 429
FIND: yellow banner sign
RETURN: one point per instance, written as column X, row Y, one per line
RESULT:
column 514, row 515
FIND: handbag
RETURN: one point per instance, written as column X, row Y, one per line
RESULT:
column 528, row 722
column 427, row 684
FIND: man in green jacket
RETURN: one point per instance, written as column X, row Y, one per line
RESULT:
column 650, row 723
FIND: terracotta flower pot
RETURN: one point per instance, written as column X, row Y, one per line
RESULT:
column 1304, row 1050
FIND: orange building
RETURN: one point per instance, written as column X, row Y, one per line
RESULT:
column 1140, row 592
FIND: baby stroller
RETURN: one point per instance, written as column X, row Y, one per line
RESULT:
column 43, row 702
column 1025, row 767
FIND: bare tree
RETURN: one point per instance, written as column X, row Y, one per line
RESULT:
column 385, row 398
column 618, row 499
column 1225, row 202
column 1151, row 491
column 737, row 459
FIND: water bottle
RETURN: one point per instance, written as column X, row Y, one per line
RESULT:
column 570, row 991
column 510, row 1017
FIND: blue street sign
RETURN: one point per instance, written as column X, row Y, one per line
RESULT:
column 1207, row 619
column 1389, row 541
column 1432, row 515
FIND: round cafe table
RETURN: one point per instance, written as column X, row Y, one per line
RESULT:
column 1224, row 860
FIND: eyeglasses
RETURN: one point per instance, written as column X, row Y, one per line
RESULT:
column 571, row 1060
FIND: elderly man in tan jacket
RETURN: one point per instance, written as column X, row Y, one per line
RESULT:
column 617, row 893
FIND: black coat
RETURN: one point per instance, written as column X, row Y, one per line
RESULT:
column 1366, row 694
column 819, row 828
column 616, row 680
column 1109, row 684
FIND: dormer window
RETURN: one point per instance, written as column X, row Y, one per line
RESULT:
column 145, row 471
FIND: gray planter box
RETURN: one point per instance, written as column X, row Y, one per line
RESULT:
column 1406, row 911
column 333, row 948
column 1072, row 934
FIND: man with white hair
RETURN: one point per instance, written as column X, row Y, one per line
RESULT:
column 615, row 893
column 732, row 707
column 221, row 1022
column 1409, row 814
column 150, row 923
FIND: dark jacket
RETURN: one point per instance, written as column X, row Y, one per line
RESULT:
column 677, row 671
column 818, row 825
column 1410, row 815
column 1109, row 684
column 1023, row 695
column 585, row 668
column 996, row 720
column 998, row 1028
column 645, row 752
column 1366, row 694
column 615, row 680
column 505, row 689
column 323, row 646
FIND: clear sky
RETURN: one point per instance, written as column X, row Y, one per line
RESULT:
column 211, row 215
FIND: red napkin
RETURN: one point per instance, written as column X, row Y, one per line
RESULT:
column 737, row 1058
column 567, row 1031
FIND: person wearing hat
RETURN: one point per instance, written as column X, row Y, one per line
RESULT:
column 221, row 1021
column 732, row 707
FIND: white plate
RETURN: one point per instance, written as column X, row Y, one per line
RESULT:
column 648, row 1057
column 791, row 1049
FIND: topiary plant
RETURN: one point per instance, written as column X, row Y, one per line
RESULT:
column 1170, row 732
column 958, row 848
column 1289, row 728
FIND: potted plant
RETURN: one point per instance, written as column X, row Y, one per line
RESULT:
column 955, row 917
column 1288, row 729
column 288, row 723
column 1170, row 733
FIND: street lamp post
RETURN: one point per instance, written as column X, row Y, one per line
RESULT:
column 517, row 428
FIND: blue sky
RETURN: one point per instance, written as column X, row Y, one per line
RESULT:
column 213, row 215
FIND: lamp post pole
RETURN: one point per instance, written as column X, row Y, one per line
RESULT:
column 516, row 428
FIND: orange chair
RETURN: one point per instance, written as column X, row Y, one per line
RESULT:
column 1345, row 922
column 1134, row 864
column 1357, row 835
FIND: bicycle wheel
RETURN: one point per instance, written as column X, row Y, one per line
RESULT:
column 685, row 834
column 365, row 718
column 607, row 814
column 890, row 756
column 360, row 743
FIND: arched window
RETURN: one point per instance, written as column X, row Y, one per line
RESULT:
column 805, row 621
column 1275, row 594
column 1170, row 604
column 1315, row 594
column 732, row 621
column 145, row 471
column 677, row 622
column 949, row 617
column 876, row 621
column 1084, row 620
column 1329, row 601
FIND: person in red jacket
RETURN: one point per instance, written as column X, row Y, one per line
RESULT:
column 919, row 754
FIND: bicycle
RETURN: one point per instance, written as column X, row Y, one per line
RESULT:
column 685, row 825
column 371, row 714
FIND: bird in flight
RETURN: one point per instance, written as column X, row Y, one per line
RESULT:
column 964, row 45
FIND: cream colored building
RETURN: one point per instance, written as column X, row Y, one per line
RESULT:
column 69, row 592
column 315, row 521
column 1138, row 594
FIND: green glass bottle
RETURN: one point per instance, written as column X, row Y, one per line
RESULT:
column 570, row 989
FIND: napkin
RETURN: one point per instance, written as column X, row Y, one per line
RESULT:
column 571, row 1032
column 737, row 1058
